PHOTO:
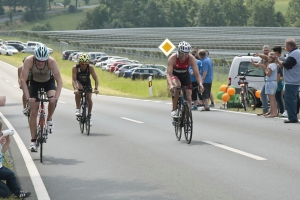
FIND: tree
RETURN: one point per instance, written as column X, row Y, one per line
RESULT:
column 235, row 12
column 10, row 15
column 153, row 15
column 87, row 2
column 49, row 4
column 95, row 19
column 36, row 9
column 13, row 4
column 211, row 14
column 263, row 14
column 66, row 3
column 292, row 15
column 1, row 8
column 280, row 19
column 173, row 18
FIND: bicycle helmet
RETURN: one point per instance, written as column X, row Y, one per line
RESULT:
column 84, row 58
column 184, row 47
column 41, row 52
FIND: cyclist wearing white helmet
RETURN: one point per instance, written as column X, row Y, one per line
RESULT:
column 81, row 79
column 44, row 73
column 178, row 75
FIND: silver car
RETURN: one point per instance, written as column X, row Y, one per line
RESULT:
column 120, row 72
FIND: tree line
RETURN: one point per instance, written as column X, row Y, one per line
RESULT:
column 35, row 9
column 189, row 13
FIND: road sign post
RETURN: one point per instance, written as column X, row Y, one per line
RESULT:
column 150, row 86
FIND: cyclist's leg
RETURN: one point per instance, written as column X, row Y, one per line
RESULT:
column 90, row 103
column 176, row 83
column 50, row 88
column 78, row 96
column 186, row 81
column 34, row 106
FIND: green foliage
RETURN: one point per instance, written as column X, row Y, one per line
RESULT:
column 280, row 19
column 1, row 8
column 10, row 15
column 292, row 16
column 72, row 8
column 211, row 14
column 36, row 9
column 6, row 23
column 263, row 14
column 95, row 18
column 86, row 2
column 66, row 3
column 42, row 27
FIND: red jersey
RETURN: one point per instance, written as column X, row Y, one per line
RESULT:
column 181, row 67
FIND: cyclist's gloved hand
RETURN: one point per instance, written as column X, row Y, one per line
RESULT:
column 96, row 91
column 172, row 88
column 76, row 91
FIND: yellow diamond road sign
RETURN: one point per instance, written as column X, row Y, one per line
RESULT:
column 167, row 47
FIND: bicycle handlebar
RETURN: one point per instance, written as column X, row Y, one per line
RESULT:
column 244, row 73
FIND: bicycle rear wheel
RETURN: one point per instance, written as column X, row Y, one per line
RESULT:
column 243, row 98
column 251, row 100
column 188, row 124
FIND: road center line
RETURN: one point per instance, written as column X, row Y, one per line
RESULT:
column 132, row 120
column 34, row 174
column 235, row 150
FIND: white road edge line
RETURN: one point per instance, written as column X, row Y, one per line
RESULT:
column 132, row 120
column 7, row 81
column 61, row 102
column 34, row 174
column 16, row 86
column 235, row 150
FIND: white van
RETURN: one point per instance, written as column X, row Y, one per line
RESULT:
column 30, row 46
column 239, row 64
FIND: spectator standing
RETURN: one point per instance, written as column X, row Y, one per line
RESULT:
column 207, row 77
column 279, row 93
column 211, row 97
column 195, row 93
column 291, row 75
column 271, row 83
column 263, row 96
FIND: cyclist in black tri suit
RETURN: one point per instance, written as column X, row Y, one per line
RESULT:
column 178, row 75
column 81, row 79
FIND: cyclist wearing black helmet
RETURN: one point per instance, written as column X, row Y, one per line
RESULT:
column 44, row 74
column 178, row 75
column 81, row 78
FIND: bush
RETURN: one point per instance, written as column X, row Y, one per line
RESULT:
column 44, row 27
column 72, row 8
column 6, row 23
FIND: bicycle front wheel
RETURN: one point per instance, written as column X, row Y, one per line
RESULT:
column 188, row 124
column 87, row 122
column 178, row 123
column 82, row 117
column 41, row 140
column 251, row 100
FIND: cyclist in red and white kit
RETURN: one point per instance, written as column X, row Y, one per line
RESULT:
column 178, row 75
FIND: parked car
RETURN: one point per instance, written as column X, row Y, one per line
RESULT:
column 128, row 73
column 93, row 55
column 119, row 66
column 65, row 54
column 106, row 64
column 8, row 50
column 18, row 46
column 124, row 68
column 31, row 45
column 14, row 42
column 161, row 67
column 241, row 64
column 76, row 57
column 113, row 66
column 144, row 73
column 103, row 58
column 72, row 55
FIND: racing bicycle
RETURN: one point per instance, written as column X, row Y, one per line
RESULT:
column 247, row 98
column 83, row 117
column 184, row 117
column 41, row 131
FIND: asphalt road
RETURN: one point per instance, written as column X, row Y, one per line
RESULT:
column 132, row 152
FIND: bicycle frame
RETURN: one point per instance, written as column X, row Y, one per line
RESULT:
column 84, row 106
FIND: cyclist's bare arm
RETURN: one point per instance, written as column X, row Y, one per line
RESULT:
column 27, row 65
column 171, row 63
column 94, row 75
column 56, row 73
column 19, row 76
column 74, row 79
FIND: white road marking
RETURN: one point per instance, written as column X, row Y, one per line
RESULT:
column 156, row 101
column 16, row 86
column 7, row 81
column 235, row 150
column 169, row 103
column 146, row 100
column 61, row 102
column 34, row 174
column 132, row 120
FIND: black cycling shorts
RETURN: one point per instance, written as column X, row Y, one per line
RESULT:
column 86, row 85
column 35, row 86
column 184, row 78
